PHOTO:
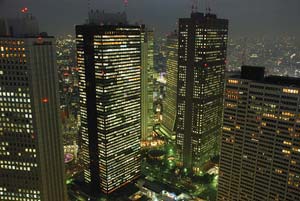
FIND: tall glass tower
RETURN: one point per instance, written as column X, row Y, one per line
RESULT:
column 202, row 43
column 31, row 150
column 109, row 61
column 147, row 83
column 170, row 102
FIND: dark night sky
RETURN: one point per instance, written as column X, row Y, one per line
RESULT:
column 251, row 17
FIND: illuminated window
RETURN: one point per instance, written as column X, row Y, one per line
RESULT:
column 233, row 81
column 287, row 143
column 290, row 91
column 286, row 151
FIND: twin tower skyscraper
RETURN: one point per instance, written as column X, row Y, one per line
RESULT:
column 110, row 63
column 260, row 154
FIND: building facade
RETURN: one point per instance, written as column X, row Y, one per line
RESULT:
column 170, row 101
column 260, row 150
column 31, row 149
column 109, row 61
column 147, row 45
column 202, row 43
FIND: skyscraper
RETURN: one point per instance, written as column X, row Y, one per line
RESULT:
column 147, row 46
column 109, row 61
column 202, row 44
column 170, row 102
column 31, row 150
column 260, row 150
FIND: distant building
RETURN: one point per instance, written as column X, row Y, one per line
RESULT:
column 202, row 44
column 31, row 149
column 170, row 101
column 147, row 69
column 3, row 27
column 109, row 61
column 260, row 151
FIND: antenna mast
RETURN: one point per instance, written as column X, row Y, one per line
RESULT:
column 125, row 5
column 194, row 6
column 89, row 5
column 208, row 6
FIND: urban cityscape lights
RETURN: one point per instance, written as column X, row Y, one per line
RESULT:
column 121, row 111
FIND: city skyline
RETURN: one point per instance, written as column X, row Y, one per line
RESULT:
column 182, row 100
column 251, row 18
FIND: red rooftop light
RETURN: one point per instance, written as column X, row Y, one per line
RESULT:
column 40, row 39
column 24, row 10
column 45, row 100
column 205, row 65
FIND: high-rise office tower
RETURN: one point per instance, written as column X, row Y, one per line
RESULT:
column 202, row 43
column 109, row 61
column 147, row 46
column 260, row 150
column 31, row 150
column 170, row 104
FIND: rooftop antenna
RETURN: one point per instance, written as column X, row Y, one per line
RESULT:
column 194, row 6
column 208, row 6
column 24, row 10
column 89, row 5
column 125, row 5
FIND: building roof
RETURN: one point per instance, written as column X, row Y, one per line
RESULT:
column 158, row 187
column 257, row 74
column 206, row 17
column 101, row 17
